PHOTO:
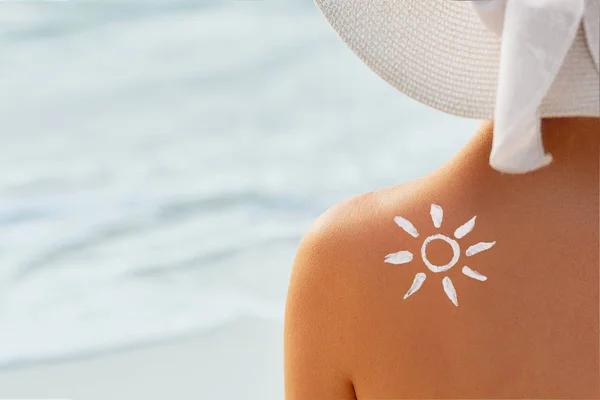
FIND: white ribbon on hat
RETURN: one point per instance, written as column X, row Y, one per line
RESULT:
column 535, row 38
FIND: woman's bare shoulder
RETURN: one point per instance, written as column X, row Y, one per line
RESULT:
column 349, row 233
column 365, row 305
column 333, row 252
column 328, row 283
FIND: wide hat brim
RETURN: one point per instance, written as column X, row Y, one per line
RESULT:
column 439, row 53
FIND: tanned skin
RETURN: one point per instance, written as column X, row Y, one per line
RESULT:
column 529, row 331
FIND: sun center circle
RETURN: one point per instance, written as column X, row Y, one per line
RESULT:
column 455, row 249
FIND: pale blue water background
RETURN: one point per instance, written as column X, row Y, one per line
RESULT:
column 160, row 161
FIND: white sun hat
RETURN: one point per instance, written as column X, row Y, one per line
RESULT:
column 513, row 61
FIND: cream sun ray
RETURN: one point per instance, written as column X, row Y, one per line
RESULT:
column 416, row 285
column 437, row 215
column 478, row 248
column 450, row 291
column 407, row 226
column 401, row 257
column 464, row 229
column 473, row 274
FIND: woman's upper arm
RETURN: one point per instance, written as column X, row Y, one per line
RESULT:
column 315, row 341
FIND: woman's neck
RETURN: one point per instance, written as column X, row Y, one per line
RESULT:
column 573, row 142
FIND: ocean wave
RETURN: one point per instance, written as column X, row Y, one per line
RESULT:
column 160, row 165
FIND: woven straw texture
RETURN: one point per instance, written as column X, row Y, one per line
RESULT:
column 439, row 53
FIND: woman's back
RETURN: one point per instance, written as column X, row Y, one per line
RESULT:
column 530, row 330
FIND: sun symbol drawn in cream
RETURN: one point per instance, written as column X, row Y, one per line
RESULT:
column 404, row 257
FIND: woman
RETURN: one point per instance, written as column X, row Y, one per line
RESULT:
column 479, row 280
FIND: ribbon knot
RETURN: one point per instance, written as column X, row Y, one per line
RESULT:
column 536, row 36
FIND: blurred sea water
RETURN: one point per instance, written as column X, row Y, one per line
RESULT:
column 159, row 163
